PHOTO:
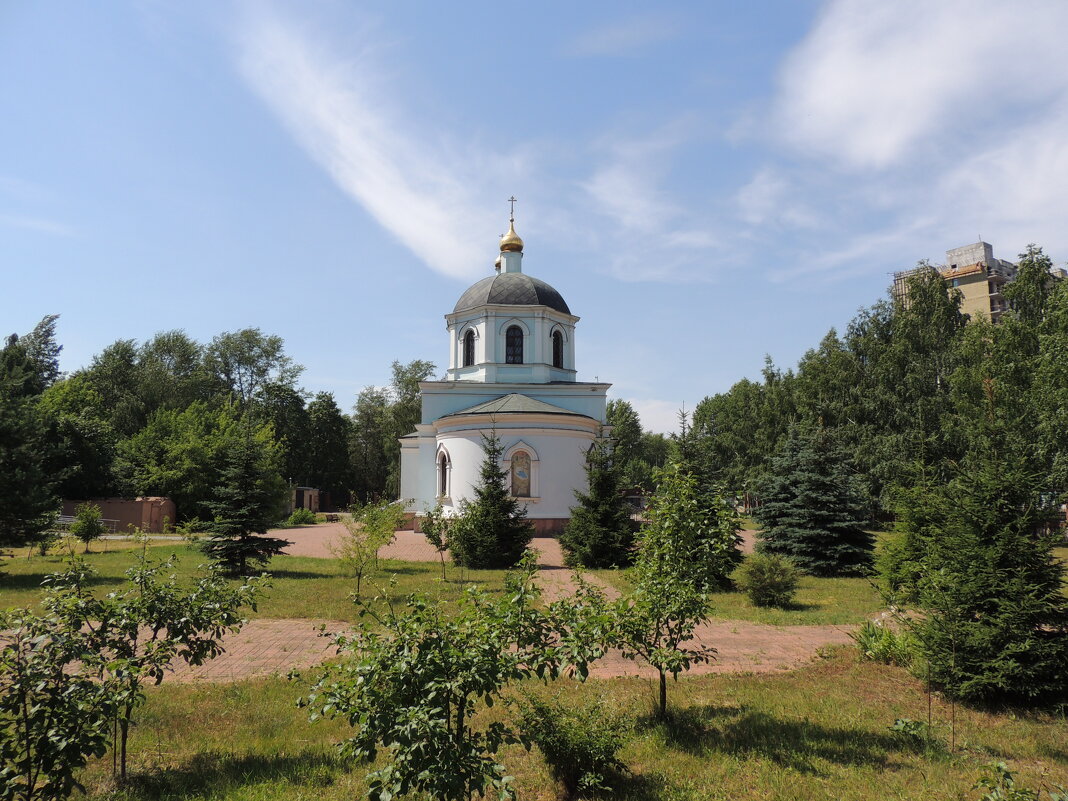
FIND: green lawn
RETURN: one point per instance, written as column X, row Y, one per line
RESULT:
column 819, row 601
column 820, row 732
column 816, row 733
column 301, row 587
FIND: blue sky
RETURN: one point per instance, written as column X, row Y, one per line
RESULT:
column 704, row 183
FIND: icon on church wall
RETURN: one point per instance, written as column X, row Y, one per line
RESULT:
column 521, row 474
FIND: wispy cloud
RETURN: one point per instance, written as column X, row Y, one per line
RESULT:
column 873, row 83
column 913, row 127
column 37, row 224
column 624, row 37
column 649, row 234
column 418, row 189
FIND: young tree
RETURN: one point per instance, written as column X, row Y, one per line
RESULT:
column 54, row 711
column 247, row 502
column 810, row 512
column 134, row 634
column 420, row 675
column 370, row 528
column 437, row 528
column 691, row 533
column 492, row 530
column 670, row 594
column 601, row 531
column 87, row 525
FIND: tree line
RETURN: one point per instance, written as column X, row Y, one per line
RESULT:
column 160, row 418
column 909, row 390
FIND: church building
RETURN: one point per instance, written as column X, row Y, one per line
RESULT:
column 511, row 371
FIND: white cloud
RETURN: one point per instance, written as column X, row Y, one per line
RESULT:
column 875, row 82
column 940, row 122
column 432, row 197
column 625, row 37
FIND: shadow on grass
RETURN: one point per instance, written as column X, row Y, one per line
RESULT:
column 794, row 744
column 32, row 581
column 209, row 773
column 301, row 574
column 1059, row 754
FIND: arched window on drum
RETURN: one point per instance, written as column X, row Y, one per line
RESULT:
column 469, row 348
column 558, row 349
column 513, row 345
column 521, row 474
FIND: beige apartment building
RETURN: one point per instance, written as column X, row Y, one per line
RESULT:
column 980, row 277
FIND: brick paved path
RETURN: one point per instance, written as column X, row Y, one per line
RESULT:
column 266, row 647
column 316, row 541
column 743, row 647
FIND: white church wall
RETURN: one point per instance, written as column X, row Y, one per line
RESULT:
column 558, row 458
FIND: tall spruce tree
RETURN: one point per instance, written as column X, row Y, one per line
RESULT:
column 601, row 531
column 28, row 503
column 492, row 530
column 810, row 511
column 247, row 501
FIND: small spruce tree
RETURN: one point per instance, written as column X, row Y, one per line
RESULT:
column 978, row 553
column 247, row 501
column 810, row 511
column 492, row 530
column 601, row 531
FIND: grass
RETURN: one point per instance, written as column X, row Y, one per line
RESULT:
column 819, row 602
column 816, row 733
column 819, row 732
column 301, row 587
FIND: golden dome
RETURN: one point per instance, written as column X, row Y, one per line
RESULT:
column 511, row 242
column 497, row 263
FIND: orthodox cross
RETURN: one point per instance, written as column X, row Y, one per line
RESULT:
column 511, row 211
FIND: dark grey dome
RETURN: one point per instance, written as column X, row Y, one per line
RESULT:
column 511, row 289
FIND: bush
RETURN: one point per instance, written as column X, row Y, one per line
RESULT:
column 302, row 517
column 192, row 529
column 579, row 744
column 880, row 643
column 768, row 579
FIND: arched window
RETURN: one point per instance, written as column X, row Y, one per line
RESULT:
column 469, row 348
column 558, row 349
column 443, row 475
column 521, row 474
column 513, row 345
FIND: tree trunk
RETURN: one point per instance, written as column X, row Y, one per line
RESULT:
column 663, row 692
